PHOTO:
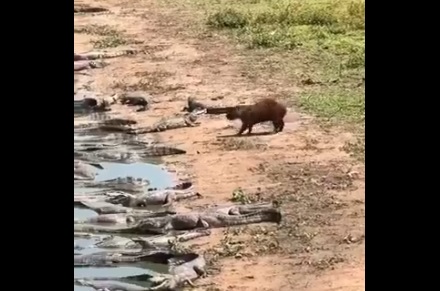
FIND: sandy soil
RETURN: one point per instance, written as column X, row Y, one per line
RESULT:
column 320, row 244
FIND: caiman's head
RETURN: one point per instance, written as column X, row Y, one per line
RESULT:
column 130, row 219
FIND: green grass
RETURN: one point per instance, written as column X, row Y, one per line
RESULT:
column 335, row 27
column 321, row 39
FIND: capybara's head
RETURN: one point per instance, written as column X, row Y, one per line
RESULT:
column 233, row 113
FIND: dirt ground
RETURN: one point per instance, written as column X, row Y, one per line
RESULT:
column 320, row 243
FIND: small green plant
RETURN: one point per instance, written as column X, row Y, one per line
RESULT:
column 238, row 195
column 94, row 29
column 356, row 149
column 109, row 42
column 228, row 18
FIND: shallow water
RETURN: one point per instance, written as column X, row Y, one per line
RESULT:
column 158, row 177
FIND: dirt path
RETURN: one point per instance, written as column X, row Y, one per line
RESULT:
column 320, row 245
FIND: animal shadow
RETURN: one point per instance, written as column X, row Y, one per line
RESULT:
column 248, row 135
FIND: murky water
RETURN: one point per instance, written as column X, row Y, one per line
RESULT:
column 158, row 178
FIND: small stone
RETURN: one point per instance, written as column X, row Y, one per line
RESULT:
column 238, row 256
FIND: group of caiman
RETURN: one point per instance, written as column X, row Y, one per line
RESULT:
column 125, row 231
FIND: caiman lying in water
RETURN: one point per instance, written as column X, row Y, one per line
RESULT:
column 82, row 171
column 109, row 258
column 128, row 184
column 149, row 242
column 122, row 218
column 127, row 157
column 182, row 269
column 159, row 197
column 187, row 221
column 102, row 55
column 109, row 208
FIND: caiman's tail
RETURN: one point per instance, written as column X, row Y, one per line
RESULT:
column 158, row 151
column 266, row 215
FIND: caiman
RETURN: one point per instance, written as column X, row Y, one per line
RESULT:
column 182, row 270
column 119, row 242
column 81, row 171
column 112, row 156
column 102, row 259
column 112, row 242
column 128, row 218
column 102, row 55
column 160, row 197
column 88, row 105
column 93, row 147
column 128, row 157
column 84, row 8
column 128, row 184
column 134, row 98
column 187, row 221
column 188, row 120
column 101, row 195
column 85, row 65
column 103, row 207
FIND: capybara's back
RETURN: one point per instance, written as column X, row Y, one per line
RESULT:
column 264, row 110
column 267, row 110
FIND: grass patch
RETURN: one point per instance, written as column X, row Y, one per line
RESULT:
column 236, row 144
column 109, row 37
column 94, row 29
column 152, row 82
column 110, row 42
column 344, row 105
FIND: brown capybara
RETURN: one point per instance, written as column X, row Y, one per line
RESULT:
column 264, row 110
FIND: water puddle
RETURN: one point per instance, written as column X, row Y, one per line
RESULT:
column 158, row 178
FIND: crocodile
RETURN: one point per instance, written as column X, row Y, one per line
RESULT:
column 102, row 55
column 129, row 184
column 183, row 269
column 187, row 221
column 84, row 65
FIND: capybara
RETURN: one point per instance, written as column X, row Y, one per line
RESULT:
column 265, row 110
